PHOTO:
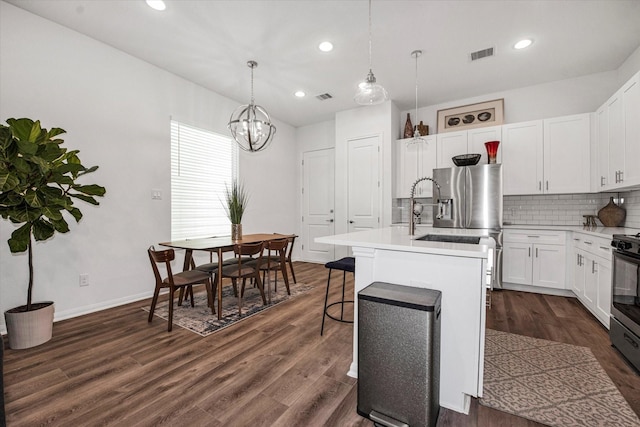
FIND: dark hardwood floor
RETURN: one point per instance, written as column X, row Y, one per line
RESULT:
column 114, row 368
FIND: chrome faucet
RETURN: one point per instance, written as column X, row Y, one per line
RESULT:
column 412, row 224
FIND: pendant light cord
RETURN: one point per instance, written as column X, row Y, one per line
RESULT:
column 369, row 35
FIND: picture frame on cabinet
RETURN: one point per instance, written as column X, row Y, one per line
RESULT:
column 489, row 113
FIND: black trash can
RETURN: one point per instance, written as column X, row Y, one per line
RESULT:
column 399, row 355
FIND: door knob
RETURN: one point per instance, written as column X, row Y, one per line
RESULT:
column 350, row 222
column 330, row 220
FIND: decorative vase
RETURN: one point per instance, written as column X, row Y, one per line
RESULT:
column 408, row 128
column 236, row 232
column 28, row 329
column 612, row 215
column 423, row 129
column 492, row 150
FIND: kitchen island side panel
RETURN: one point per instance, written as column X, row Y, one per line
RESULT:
column 461, row 281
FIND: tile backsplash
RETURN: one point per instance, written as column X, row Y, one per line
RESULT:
column 556, row 209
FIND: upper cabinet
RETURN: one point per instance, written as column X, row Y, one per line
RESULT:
column 465, row 142
column 548, row 156
column 413, row 160
column 618, row 138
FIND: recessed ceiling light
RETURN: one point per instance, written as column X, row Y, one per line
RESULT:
column 522, row 44
column 300, row 94
column 156, row 4
column 326, row 46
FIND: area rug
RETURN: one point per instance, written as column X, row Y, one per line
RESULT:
column 199, row 319
column 551, row 383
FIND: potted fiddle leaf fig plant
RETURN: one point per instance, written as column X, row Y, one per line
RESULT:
column 236, row 198
column 38, row 189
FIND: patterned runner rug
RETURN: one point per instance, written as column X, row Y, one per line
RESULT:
column 199, row 319
column 551, row 383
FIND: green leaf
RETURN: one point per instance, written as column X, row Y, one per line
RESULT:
column 89, row 170
column 33, row 199
column 8, row 181
column 87, row 199
column 25, row 129
column 76, row 213
column 27, row 147
column 55, row 132
column 42, row 230
column 91, row 190
column 19, row 239
column 52, row 214
column 60, row 225
column 51, row 192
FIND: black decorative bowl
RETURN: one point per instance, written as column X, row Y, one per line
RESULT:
column 466, row 159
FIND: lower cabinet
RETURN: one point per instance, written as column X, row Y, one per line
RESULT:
column 592, row 275
column 527, row 262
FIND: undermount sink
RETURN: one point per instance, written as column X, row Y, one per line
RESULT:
column 448, row 238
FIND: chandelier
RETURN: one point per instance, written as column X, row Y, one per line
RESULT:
column 369, row 92
column 250, row 125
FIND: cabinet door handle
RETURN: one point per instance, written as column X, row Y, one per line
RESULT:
column 539, row 185
column 529, row 252
column 621, row 176
column 577, row 259
column 593, row 267
column 533, row 237
column 605, row 248
column 536, row 252
column 547, row 185
column 601, row 181
column 586, row 242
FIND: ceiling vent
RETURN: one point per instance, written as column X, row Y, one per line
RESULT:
column 484, row 53
column 324, row 96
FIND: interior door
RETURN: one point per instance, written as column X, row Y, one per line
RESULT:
column 363, row 191
column 318, row 204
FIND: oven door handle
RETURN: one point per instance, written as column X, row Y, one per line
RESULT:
column 630, row 340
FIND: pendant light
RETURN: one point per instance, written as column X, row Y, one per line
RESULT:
column 416, row 134
column 250, row 125
column 369, row 92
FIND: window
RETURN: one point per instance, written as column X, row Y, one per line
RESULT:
column 202, row 162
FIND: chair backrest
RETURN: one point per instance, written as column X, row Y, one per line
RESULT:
column 161, row 257
column 278, row 246
column 250, row 249
column 292, row 240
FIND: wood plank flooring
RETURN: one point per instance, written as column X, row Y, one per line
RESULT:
column 274, row 369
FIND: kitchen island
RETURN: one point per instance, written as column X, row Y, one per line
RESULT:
column 458, row 270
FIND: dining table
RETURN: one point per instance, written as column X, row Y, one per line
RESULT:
column 220, row 245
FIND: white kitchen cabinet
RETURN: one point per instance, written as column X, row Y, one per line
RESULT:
column 618, row 133
column 567, row 144
column 535, row 258
column 467, row 142
column 522, row 158
column 450, row 144
column 592, row 274
column 414, row 160
column 550, row 156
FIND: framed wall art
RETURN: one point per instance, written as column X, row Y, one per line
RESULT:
column 490, row 113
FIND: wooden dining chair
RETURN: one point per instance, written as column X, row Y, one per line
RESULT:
column 292, row 240
column 243, row 269
column 275, row 259
column 185, row 279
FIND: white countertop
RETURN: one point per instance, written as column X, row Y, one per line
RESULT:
column 397, row 239
column 606, row 232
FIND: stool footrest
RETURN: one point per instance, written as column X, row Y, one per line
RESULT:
column 326, row 312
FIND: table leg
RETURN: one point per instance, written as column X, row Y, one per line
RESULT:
column 188, row 257
column 219, row 283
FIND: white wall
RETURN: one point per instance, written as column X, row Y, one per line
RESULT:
column 116, row 111
column 560, row 98
column 630, row 66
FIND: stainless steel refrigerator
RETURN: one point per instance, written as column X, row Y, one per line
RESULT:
column 471, row 197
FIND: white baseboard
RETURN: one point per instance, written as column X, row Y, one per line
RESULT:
column 538, row 290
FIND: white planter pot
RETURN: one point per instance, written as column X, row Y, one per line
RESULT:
column 28, row 329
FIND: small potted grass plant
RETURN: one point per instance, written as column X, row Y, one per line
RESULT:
column 236, row 202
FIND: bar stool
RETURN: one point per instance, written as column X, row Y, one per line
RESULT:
column 345, row 264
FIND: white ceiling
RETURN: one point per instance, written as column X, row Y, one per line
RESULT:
column 209, row 43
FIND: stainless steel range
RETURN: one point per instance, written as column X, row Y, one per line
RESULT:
column 625, row 302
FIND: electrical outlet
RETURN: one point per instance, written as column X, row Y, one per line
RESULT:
column 84, row 280
column 156, row 194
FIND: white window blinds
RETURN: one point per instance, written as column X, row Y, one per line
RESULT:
column 202, row 162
